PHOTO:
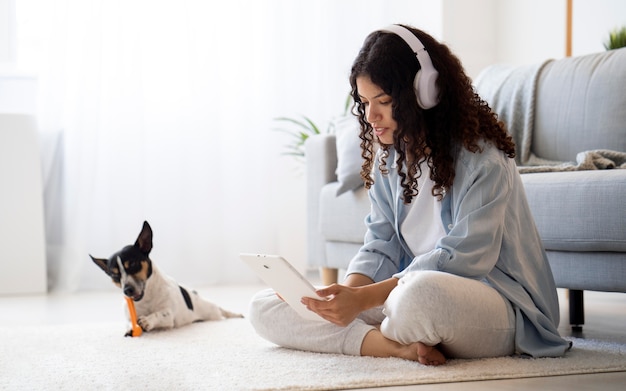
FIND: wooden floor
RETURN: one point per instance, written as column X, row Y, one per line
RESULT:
column 605, row 315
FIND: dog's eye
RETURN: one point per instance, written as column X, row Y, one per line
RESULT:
column 115, row 274
column 133, row 267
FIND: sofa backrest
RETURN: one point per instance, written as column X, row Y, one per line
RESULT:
column 580, row 105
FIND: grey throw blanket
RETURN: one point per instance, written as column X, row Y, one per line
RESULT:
column 599, row 159
column 510, row 92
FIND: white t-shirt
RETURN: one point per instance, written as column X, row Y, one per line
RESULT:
column 422, row 226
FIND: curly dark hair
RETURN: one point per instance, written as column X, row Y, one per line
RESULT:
column 460, row 119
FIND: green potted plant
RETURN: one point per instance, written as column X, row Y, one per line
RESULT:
column 301, row 128
column 617, row 39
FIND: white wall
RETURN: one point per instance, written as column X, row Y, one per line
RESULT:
column 530, row 30
column 7, row 32
column 470, row 30
column 483, row 32
column 592, row 21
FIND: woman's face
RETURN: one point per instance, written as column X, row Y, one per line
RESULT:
column 377, row 109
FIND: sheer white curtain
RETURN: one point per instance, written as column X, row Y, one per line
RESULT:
column 163, row 112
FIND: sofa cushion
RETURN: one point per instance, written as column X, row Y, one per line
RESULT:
column 596, row 271
column 580, row 105
column 342, row 218
column 579, row 210
column 349, row 158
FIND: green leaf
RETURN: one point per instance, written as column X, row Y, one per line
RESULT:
column 617, row 39
column 299, row 129
column 347, row 105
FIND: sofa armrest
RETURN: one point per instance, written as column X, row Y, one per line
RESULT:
column 321, row 163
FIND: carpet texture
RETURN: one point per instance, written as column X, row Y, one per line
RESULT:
column 228, row 355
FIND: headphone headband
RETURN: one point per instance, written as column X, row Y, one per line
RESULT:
column 426, row 90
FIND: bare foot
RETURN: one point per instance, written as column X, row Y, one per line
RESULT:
column 429, row 355
column 376, row 345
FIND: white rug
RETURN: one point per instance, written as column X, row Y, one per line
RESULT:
column 229, row 356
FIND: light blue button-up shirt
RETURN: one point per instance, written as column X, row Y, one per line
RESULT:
column 490, row 236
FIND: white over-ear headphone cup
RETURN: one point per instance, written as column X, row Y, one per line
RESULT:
column 426, row 89
column 416, row 87
column 425, row 82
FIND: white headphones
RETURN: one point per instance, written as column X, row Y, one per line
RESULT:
column 425, row 80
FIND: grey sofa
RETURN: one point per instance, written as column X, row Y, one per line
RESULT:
column 568, row 117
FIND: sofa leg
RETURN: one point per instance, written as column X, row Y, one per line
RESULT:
column 576, row 309
column 329, row 275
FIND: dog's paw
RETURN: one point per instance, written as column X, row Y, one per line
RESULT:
column 145, row 323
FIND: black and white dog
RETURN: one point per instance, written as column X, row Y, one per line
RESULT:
column 160, row 302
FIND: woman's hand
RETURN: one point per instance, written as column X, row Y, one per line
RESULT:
column 343, row 305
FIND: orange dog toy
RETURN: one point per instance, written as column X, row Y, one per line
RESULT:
column 136, row 330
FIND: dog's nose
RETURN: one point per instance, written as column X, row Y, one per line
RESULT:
column 129, row 291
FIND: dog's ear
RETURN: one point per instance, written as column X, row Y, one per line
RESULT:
column 144, row 241
column 102, row 263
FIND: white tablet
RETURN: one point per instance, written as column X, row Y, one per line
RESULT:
column 279, row 274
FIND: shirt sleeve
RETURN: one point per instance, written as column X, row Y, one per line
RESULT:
column 381, row 255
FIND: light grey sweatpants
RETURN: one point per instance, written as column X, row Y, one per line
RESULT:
column 466, row 318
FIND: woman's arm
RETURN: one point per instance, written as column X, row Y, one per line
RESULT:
column 357, row 279
column 382, row 254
